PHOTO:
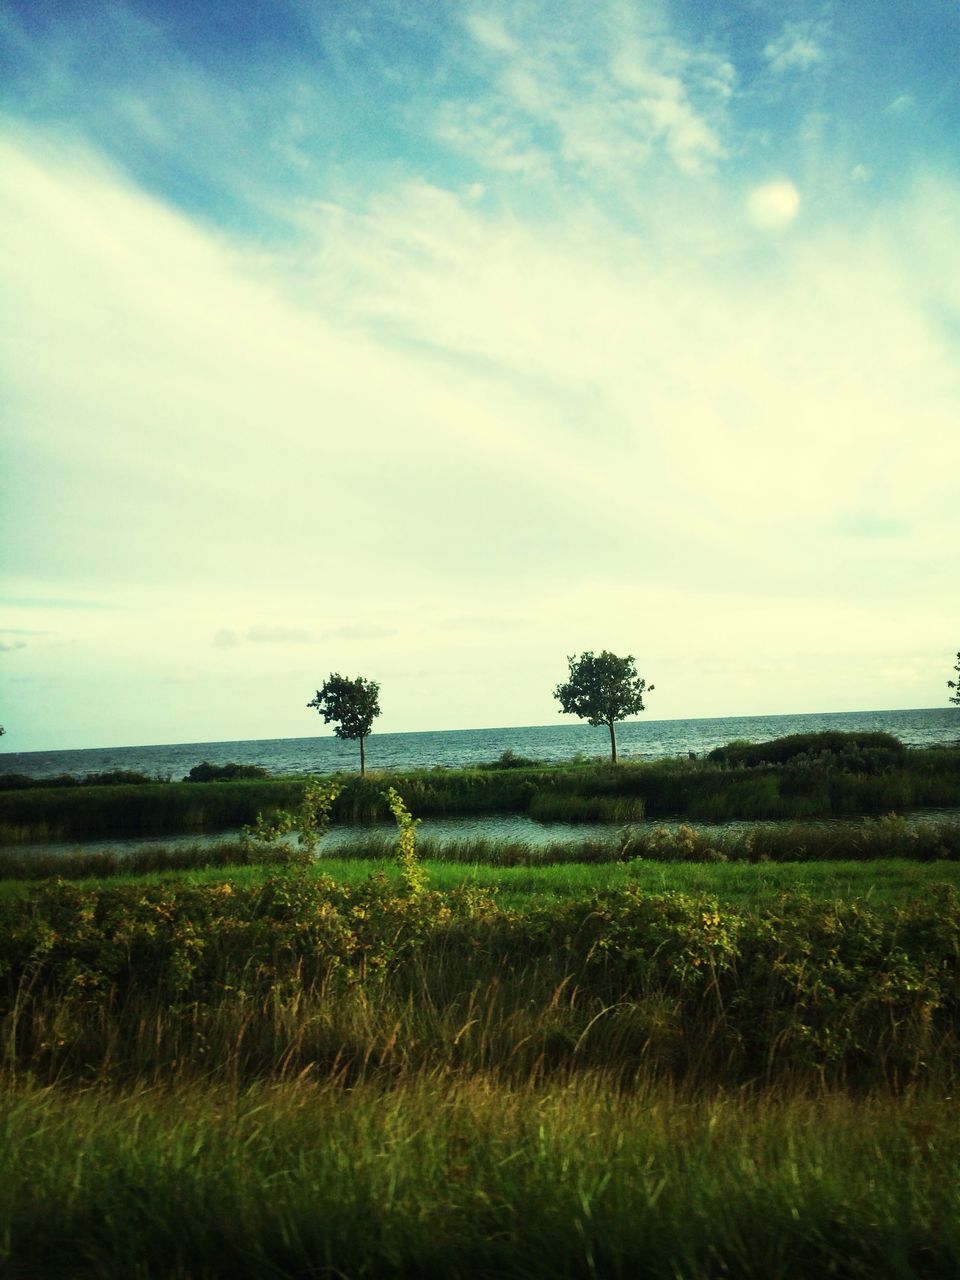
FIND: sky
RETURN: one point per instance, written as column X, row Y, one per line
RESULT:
column 438, row 342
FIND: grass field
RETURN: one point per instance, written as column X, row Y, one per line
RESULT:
column 687, row 1058
column 889, row 881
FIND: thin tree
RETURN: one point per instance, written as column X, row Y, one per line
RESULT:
column 603, row 689
column 352, row 705
column 955, row 684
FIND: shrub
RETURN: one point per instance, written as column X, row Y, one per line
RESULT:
column 207, row 772
column 109, row 778
column 878, row 750
column 829, row 990
column 510, row 760
column 311, row 821
column 413, row 874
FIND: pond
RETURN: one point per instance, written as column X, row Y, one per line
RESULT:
column 505, row 829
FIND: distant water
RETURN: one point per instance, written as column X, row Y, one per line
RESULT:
column 637, row 739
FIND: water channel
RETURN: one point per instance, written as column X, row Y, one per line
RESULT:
column 503, row 829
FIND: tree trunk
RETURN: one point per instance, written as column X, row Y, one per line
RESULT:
column 613, row 741
column 363, row 758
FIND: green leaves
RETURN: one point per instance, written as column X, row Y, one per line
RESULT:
column 352, row 705
column 602, row 689
column 311, row 821
column 414, row 876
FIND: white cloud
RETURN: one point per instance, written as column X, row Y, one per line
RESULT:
column 773, row 205
column 798, row 47
column 491, row 138
column 611, row 87
column 490, row 31
column 689, row 139
column 423, row 407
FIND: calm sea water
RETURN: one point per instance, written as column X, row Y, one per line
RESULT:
column 637, row 739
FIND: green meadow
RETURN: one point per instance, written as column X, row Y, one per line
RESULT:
column 675, row 1053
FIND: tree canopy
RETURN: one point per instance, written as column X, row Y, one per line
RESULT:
column 955, row 684
column 603, row 689
column 352, row 705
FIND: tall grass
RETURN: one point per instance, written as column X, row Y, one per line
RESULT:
column 799, row 788
column 84, row 864
column 160, row 808
column 459, row 1177
column 295, row 971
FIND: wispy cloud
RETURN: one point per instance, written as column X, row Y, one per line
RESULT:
column 800, row 46
column 607, row 92
column 229, row 638
column 442, row 344
column 279, row 635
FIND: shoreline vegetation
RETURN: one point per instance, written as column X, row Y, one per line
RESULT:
column 666, row 1053
column 805, row 776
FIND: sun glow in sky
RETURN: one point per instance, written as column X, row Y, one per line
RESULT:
column 435, row 342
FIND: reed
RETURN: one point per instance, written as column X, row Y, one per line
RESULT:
column 868, row 841
column 799, row 788
column 158, row 808
column 82, row 864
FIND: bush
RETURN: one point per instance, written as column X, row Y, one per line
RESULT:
column 110, row 778
column 510, row 760
column 798, row 988
column 207, row 772
column 876, row 750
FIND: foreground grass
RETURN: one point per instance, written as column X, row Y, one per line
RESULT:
column 462, row 1177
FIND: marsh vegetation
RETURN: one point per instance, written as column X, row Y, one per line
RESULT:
column 816, row 776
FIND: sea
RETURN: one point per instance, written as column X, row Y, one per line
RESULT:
column 453, row 748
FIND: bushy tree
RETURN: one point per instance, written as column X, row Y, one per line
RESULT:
column 955, row 684
column 352, row 705
column 603, row 689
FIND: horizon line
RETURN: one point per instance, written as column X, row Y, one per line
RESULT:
column 569, row 722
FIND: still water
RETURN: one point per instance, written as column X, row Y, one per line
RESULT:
column 500, row 829
column 637, row 739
